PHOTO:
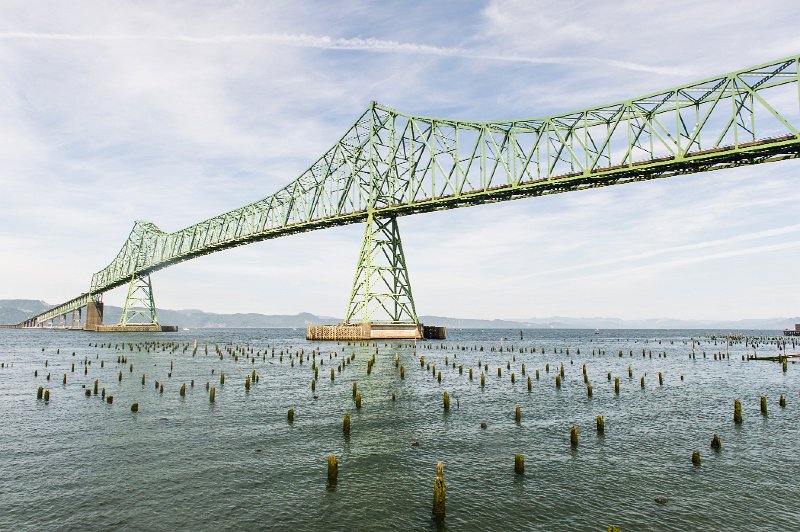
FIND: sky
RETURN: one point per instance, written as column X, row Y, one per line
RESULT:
column 176, row 111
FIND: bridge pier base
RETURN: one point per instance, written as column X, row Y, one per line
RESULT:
column 375, row 331
column 94, row 315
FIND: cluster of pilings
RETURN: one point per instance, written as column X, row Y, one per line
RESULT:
column 494, row 365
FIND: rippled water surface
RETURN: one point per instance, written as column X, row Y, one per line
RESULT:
column 183, row 462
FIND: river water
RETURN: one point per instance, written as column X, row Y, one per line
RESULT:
column 77, row 462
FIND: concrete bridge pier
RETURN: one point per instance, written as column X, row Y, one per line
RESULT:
column 94, row 316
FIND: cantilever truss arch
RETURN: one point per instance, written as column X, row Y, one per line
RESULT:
column 381, row 288
column 391, row 164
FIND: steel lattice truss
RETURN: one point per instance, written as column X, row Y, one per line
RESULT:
column 392, row 164
column 381, row 288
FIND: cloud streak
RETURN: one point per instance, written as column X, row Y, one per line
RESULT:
column 324, row 42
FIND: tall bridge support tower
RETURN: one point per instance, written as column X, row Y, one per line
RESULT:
column 381, row 304
column 140, row 307
column 381, row 287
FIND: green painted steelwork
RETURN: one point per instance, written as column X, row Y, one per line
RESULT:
column 140, row 308
column 381, row 288
column 391, row 164
column 61, row 310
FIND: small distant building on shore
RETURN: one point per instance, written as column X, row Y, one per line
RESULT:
column 790, row 332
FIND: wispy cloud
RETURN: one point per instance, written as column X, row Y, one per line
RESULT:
column 369, row 44
column 679, row 251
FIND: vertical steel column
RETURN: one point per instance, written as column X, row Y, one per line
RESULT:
column 381, row 289
column 140, row 308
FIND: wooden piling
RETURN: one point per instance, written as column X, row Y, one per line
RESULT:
column 134, row 407
column 696, row 458
column 716, row 444
column 601, row 425
column 346, row 424
column 446, row 400
column 290, row 415
column 737, row 412
column 212, row 395
column 517, row 414
column 333, row 469
column 519, row 464
column 439, row 493
column 573, row 436
column 764, row 405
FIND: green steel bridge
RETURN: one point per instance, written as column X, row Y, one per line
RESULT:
column 389, row 164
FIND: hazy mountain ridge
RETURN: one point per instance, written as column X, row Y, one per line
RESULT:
column 16, row 310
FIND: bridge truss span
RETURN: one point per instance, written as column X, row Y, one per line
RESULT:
column 390, row 164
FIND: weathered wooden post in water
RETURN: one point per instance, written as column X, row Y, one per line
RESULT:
column 439, row 495
column 333, row 469
column 737, row 412
column 519, row 464
column 696, row 458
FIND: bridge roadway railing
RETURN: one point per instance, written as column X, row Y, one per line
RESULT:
column 393, row 164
